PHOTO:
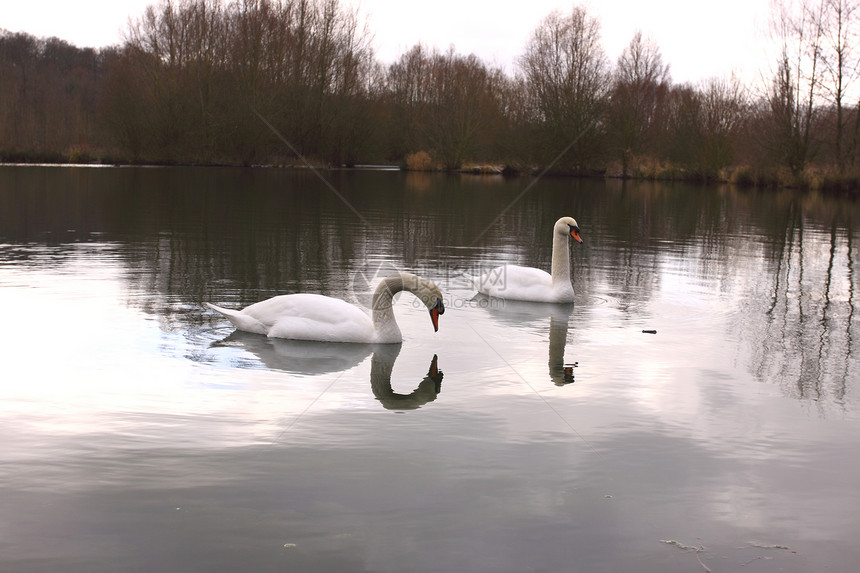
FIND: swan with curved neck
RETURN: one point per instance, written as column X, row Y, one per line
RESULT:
column 315, row 317
column 531, row 284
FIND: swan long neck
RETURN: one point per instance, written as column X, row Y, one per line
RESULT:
column 560, row 270
column 384, row 324
column 383, row 306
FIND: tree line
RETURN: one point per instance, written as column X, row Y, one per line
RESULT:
column 289, row 81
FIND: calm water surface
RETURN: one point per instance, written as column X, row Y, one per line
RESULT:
column 140, row 433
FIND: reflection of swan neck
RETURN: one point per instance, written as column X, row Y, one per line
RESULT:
column 381, row 366
column 382, row 363
column 560, row 259
column 557, row 341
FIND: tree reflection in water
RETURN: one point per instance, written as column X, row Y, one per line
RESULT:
column 805, row 336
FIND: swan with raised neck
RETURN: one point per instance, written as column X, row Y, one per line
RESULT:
column 530, row 284
column 305, row 316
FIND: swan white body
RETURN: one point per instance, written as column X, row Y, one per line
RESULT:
column 530, row 284
column 322, row 318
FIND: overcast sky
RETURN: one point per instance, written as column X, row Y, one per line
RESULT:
column 697, row 39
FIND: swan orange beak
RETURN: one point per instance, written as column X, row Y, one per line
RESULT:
column 574, row 232
column 434, row 314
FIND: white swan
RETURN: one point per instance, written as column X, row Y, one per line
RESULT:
column 322, row 318
column 530, row 284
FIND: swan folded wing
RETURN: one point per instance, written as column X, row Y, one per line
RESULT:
column 516, row 283
column 298, row 328
column 312, row 317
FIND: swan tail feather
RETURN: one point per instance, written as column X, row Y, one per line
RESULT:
column 225, row 311
column 239, row 319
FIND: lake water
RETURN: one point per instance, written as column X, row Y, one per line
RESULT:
column 140, row 433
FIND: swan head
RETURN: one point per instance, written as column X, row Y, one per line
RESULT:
column 568, row 226
column 426, row 291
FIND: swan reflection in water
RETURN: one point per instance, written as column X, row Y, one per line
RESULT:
column 312, row 358
column 381, row 366
column 517, row 313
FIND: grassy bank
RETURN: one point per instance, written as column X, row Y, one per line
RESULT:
column 813, row 178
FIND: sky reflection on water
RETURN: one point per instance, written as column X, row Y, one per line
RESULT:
column 133, row 418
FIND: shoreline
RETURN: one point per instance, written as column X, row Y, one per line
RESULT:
column 741, row 177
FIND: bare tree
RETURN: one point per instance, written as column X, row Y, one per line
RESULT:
column 841, row 24
column 461, row 107
column 637, row 106
column 205, row 67
column 49, row 90
column 346, row 64
column 787, row 119
column 704, row 123
column 724, row 113
column 566, row 71
column 406, row 96
column 164, row 47
column 447, row 103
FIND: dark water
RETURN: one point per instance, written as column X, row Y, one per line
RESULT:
column 139, row 433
